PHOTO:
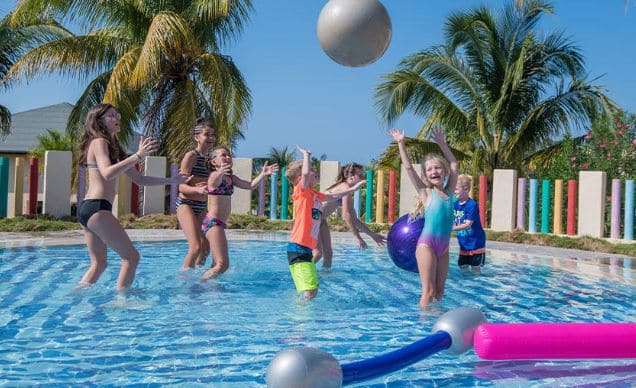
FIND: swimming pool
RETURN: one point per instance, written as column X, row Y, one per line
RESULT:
column 172, row 329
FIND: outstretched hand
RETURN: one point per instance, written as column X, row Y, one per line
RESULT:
column 269, row 170
column 147, row 146
column 302, row 150
column 379, row 239
column 362, row 244
column 438, row 135
column 397, row 135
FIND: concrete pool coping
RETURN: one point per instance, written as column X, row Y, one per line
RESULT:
column 617, row 267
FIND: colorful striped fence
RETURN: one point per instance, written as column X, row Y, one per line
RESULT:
column 557, row 205
column 4, row 186
column 34, row 166
column 284, row 196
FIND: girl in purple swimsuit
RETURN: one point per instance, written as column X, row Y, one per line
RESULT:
column 435, row 201
column 221, row 184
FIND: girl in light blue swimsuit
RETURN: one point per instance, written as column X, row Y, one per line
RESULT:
column 435, row 201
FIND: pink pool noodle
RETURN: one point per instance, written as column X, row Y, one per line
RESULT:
column 548, row 341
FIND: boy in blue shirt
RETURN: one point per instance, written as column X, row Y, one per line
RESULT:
column 467, row 227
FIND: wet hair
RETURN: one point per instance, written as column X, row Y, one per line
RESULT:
column 294, row 170
column 419, row 205
column 201, row 123
column 94, row 128
column 211, row 166
column 347, row 171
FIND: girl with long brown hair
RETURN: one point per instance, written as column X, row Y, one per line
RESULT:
column 105, row 161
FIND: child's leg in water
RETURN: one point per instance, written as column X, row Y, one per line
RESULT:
column 310, row 294
column 205, row 249
column 441, row 275
column 324, row 249
column 427, row 267
column 218, row 243
column 191, row 226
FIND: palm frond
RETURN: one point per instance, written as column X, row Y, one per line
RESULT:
column 92, row 54
column 168, row 43
column 217, row 22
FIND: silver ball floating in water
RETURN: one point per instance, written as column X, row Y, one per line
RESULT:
column 303, row 367
column 460, row 324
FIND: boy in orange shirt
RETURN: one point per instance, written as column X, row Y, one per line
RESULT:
column 307, row 218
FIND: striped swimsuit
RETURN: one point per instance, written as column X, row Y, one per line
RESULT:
column 199, row 169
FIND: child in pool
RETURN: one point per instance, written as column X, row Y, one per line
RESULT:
column 221, row 184
column 307, row 220
column 192, row 202
column 467, row 227
column 349, row 175
column 105, row 160
column 435, row 200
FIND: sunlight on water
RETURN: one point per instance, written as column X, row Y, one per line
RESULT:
column 172, row 329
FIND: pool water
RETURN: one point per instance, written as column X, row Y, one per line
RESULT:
column 173, row 329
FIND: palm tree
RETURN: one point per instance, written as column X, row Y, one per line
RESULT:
column 282, row 156
column 503, row 93
column 6, row 60
column 13, row 41
column 51, row 140
column 54, row 140
column 158, row 62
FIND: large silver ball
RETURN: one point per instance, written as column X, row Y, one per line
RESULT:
column 301, row 367
column 460, row 324
column 354, row 32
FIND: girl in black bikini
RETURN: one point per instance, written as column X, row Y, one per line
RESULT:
column 192, row 202
column 105, row 160
column 221, row 187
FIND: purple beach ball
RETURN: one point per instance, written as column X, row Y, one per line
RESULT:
column 402, row 241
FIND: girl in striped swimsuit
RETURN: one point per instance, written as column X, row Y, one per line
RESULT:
column 436, row 202
column 192, row 202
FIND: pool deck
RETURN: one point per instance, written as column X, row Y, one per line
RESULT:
column 619, row 267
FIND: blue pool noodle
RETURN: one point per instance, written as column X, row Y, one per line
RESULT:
column 383, row 364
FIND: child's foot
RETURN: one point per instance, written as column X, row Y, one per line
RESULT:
column 209, row 274
column 424, row 302
column 201, row 261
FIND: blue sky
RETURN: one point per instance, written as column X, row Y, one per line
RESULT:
column 302, row 97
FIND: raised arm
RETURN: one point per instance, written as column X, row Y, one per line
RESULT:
column 265, row 171
column 439, row 137
column 398, row 136
column 304, row 172
column 340, row 194
column 111, row 171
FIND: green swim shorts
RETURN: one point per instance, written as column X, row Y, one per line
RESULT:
column 304, row 275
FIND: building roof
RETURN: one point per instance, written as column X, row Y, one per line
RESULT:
column 27, row 125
